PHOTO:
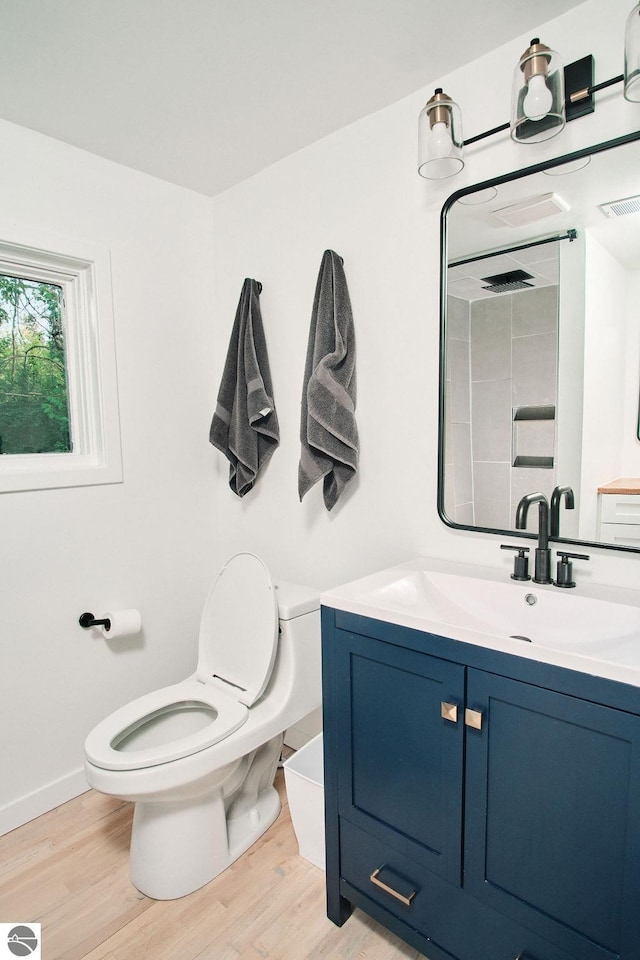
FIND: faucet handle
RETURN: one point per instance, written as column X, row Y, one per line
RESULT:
column 520, row 563
column 564, row 569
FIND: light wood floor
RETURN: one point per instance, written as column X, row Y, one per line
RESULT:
column 68, row 870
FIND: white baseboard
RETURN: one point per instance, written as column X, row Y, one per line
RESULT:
column 27, row 808
column 33, row 805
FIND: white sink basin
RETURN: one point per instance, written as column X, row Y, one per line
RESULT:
column 484, row 606
column 561, row 620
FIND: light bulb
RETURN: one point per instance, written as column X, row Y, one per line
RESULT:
column 440, row 138
column 440, row 142
column 538, row 100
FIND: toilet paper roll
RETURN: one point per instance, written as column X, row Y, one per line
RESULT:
column 123, row 623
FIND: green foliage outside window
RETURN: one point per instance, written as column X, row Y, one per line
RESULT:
column 34, row 407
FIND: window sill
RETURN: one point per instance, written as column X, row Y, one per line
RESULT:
column 48, row 471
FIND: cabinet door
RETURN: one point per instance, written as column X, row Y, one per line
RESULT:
column 551, row 815
column 400, row 760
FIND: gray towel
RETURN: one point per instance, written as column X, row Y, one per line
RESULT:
column 245, row 424
column 328, row 431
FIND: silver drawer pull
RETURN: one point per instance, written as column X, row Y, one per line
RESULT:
column 387, row 889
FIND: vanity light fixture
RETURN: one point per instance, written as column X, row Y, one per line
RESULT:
column 545, row 97
column 537, row 112
column 632, row 56
column 440, row 138
column 566, row 168
column 479, row 196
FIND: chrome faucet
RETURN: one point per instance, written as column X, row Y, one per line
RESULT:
column 556, row 499
column 542, row 563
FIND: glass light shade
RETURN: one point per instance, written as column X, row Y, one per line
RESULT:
column 537, row 104
column 632, row 56
column 440, row 138
column 565, row 168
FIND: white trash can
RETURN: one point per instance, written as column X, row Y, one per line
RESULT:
column 304, row 781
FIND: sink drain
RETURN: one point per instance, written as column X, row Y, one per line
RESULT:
column 517, row 636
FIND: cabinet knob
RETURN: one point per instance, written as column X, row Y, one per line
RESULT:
column 449, row 711
column 473, row 718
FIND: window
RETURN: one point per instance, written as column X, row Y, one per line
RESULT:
column 34, row 405
column 59, row 421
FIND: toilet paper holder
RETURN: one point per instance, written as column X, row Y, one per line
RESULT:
column 87, row 620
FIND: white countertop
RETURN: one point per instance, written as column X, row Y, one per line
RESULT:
column 590, row 628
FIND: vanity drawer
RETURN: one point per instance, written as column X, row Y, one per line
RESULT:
column 437, row 910
column 621, row 534
column 620, row 508
column 385, row 875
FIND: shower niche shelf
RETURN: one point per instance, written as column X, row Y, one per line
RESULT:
column 532, row 414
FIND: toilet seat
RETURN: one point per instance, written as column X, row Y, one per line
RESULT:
column 104, row 745
column 238, row 637
column 237, row 647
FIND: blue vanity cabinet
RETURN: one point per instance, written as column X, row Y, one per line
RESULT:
column 480, row 805
column 399, row 772
column 551, row 815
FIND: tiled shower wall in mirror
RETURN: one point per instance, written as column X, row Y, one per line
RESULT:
column 501, row 397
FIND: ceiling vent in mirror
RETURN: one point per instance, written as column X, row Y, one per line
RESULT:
column 508, row 282
column 532, row 209
column 620, row 208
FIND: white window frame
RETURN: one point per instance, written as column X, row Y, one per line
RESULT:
column 84, row 272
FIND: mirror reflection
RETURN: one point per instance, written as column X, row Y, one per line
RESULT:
column 541, row 349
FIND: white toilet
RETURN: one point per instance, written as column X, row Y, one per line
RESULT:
column 199, row 757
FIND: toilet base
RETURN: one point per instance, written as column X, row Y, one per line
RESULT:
column 178, row 847
column 244, row 831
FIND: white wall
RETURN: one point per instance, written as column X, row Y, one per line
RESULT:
column 148, row 542
column 352, row 194
column 571, row 375
column 631, row 449
column 604, row 394
column 155, row 541
column 611, row 447
column 358, row 192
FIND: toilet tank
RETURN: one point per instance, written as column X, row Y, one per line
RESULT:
column 295, row 601
column 298, row 671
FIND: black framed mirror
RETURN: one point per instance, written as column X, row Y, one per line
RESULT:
column 540, row 347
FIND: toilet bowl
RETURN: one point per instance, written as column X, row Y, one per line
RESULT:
column 198, row 758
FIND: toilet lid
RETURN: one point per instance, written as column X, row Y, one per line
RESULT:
column 239, row 628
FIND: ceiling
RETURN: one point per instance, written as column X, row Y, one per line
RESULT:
column 471, row 281
column 205, row 93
